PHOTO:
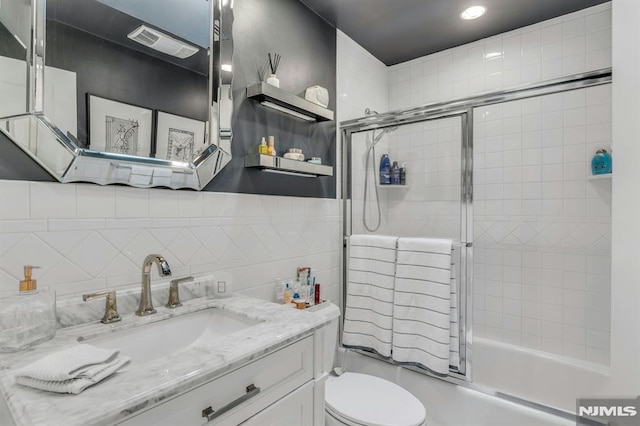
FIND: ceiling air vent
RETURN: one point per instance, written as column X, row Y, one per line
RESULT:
column 162, row 42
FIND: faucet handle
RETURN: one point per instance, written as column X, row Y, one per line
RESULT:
column 174, row 295
column 111, row 308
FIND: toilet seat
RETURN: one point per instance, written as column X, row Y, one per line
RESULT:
column 361, row 399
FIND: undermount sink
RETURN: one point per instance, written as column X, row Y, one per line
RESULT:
column 163, row 338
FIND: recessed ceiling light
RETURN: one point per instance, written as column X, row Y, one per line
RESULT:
column 226, row 67
column 473, row 12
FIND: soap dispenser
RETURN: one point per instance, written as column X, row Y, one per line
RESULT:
column 28, row 317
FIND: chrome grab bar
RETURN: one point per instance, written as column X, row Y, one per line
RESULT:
column 210, row 414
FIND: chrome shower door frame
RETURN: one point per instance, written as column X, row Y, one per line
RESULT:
column 465, row 293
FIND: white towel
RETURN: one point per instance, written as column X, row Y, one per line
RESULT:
column 369, row 309
column 454, row 333
column 422, row 303
column 71, row 370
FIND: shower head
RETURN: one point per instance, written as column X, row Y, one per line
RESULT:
column 384, row 132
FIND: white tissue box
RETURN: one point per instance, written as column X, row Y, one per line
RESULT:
column 318, row 95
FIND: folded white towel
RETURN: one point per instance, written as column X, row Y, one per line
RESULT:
column 369, row 309
column 422, row 303
column 71, row 370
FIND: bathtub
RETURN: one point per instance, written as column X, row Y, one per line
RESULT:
column 499, row 367
column 537, row 376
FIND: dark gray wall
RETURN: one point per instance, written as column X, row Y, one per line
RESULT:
column 308, row 48
column 15, row 163
column 9, row 46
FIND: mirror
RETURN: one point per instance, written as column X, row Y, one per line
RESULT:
column 134, row 92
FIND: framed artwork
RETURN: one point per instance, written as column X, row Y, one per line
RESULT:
column 179, row 138
column 118, row 127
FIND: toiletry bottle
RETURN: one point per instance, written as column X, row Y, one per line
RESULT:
column 316, row 294
column 272, row 146
column 385, row 170
column 287, row 294
column 601, row 163
column 27, row 318
column 263, row 148
column 403, row 174
column 395, row 174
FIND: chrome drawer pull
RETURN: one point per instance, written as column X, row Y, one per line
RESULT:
column 211, row 414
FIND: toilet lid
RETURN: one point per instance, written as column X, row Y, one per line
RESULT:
column 369, row 400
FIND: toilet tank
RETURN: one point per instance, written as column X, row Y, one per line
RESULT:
column 330, row 332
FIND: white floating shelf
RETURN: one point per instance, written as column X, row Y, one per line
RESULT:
column 606, row 176
column 393, row 186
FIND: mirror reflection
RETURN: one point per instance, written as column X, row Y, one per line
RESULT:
column 130, row 78
column 15, row 28
column 132, row 91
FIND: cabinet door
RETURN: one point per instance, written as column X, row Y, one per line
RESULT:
column 296, row 409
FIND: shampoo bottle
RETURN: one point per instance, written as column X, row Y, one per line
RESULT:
column 403, row 174
column 395, row 174
column 27, row 318
column 385, row 170
column 601, row 163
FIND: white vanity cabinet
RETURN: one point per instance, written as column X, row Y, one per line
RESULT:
column 276, row 389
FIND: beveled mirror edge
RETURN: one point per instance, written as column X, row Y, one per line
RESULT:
column 106, row 168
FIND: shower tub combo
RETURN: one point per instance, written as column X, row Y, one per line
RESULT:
column 496, row 382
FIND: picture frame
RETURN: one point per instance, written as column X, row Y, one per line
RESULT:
column 119, row 127
column 179, row 138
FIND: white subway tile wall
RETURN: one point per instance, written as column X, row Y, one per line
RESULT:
column 429, row 204
column 542, row 229
column 87, row 237
column 570, row 44
column 362, row 80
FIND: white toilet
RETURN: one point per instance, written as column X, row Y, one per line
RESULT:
column 359, row 399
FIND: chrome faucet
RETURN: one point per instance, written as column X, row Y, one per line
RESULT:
column 146, row 304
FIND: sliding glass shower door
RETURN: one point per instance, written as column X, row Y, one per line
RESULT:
column 434, row 202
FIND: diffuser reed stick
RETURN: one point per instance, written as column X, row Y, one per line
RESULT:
column 274, row 62
column 273, row 65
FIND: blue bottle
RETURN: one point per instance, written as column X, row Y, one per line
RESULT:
column 385, row 170
column 601, row 163
column 395, row 174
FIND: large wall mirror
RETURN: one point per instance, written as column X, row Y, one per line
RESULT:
column 134, row 92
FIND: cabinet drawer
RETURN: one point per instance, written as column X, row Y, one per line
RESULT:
column 295, row 409
column 275, row 375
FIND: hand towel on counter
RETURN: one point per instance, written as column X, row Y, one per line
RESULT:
column 71, row 370
column 369, row 309
column 422, row 303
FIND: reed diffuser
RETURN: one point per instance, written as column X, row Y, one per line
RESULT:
column 274, row 61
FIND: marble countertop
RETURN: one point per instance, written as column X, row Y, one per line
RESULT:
column 139, row 387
